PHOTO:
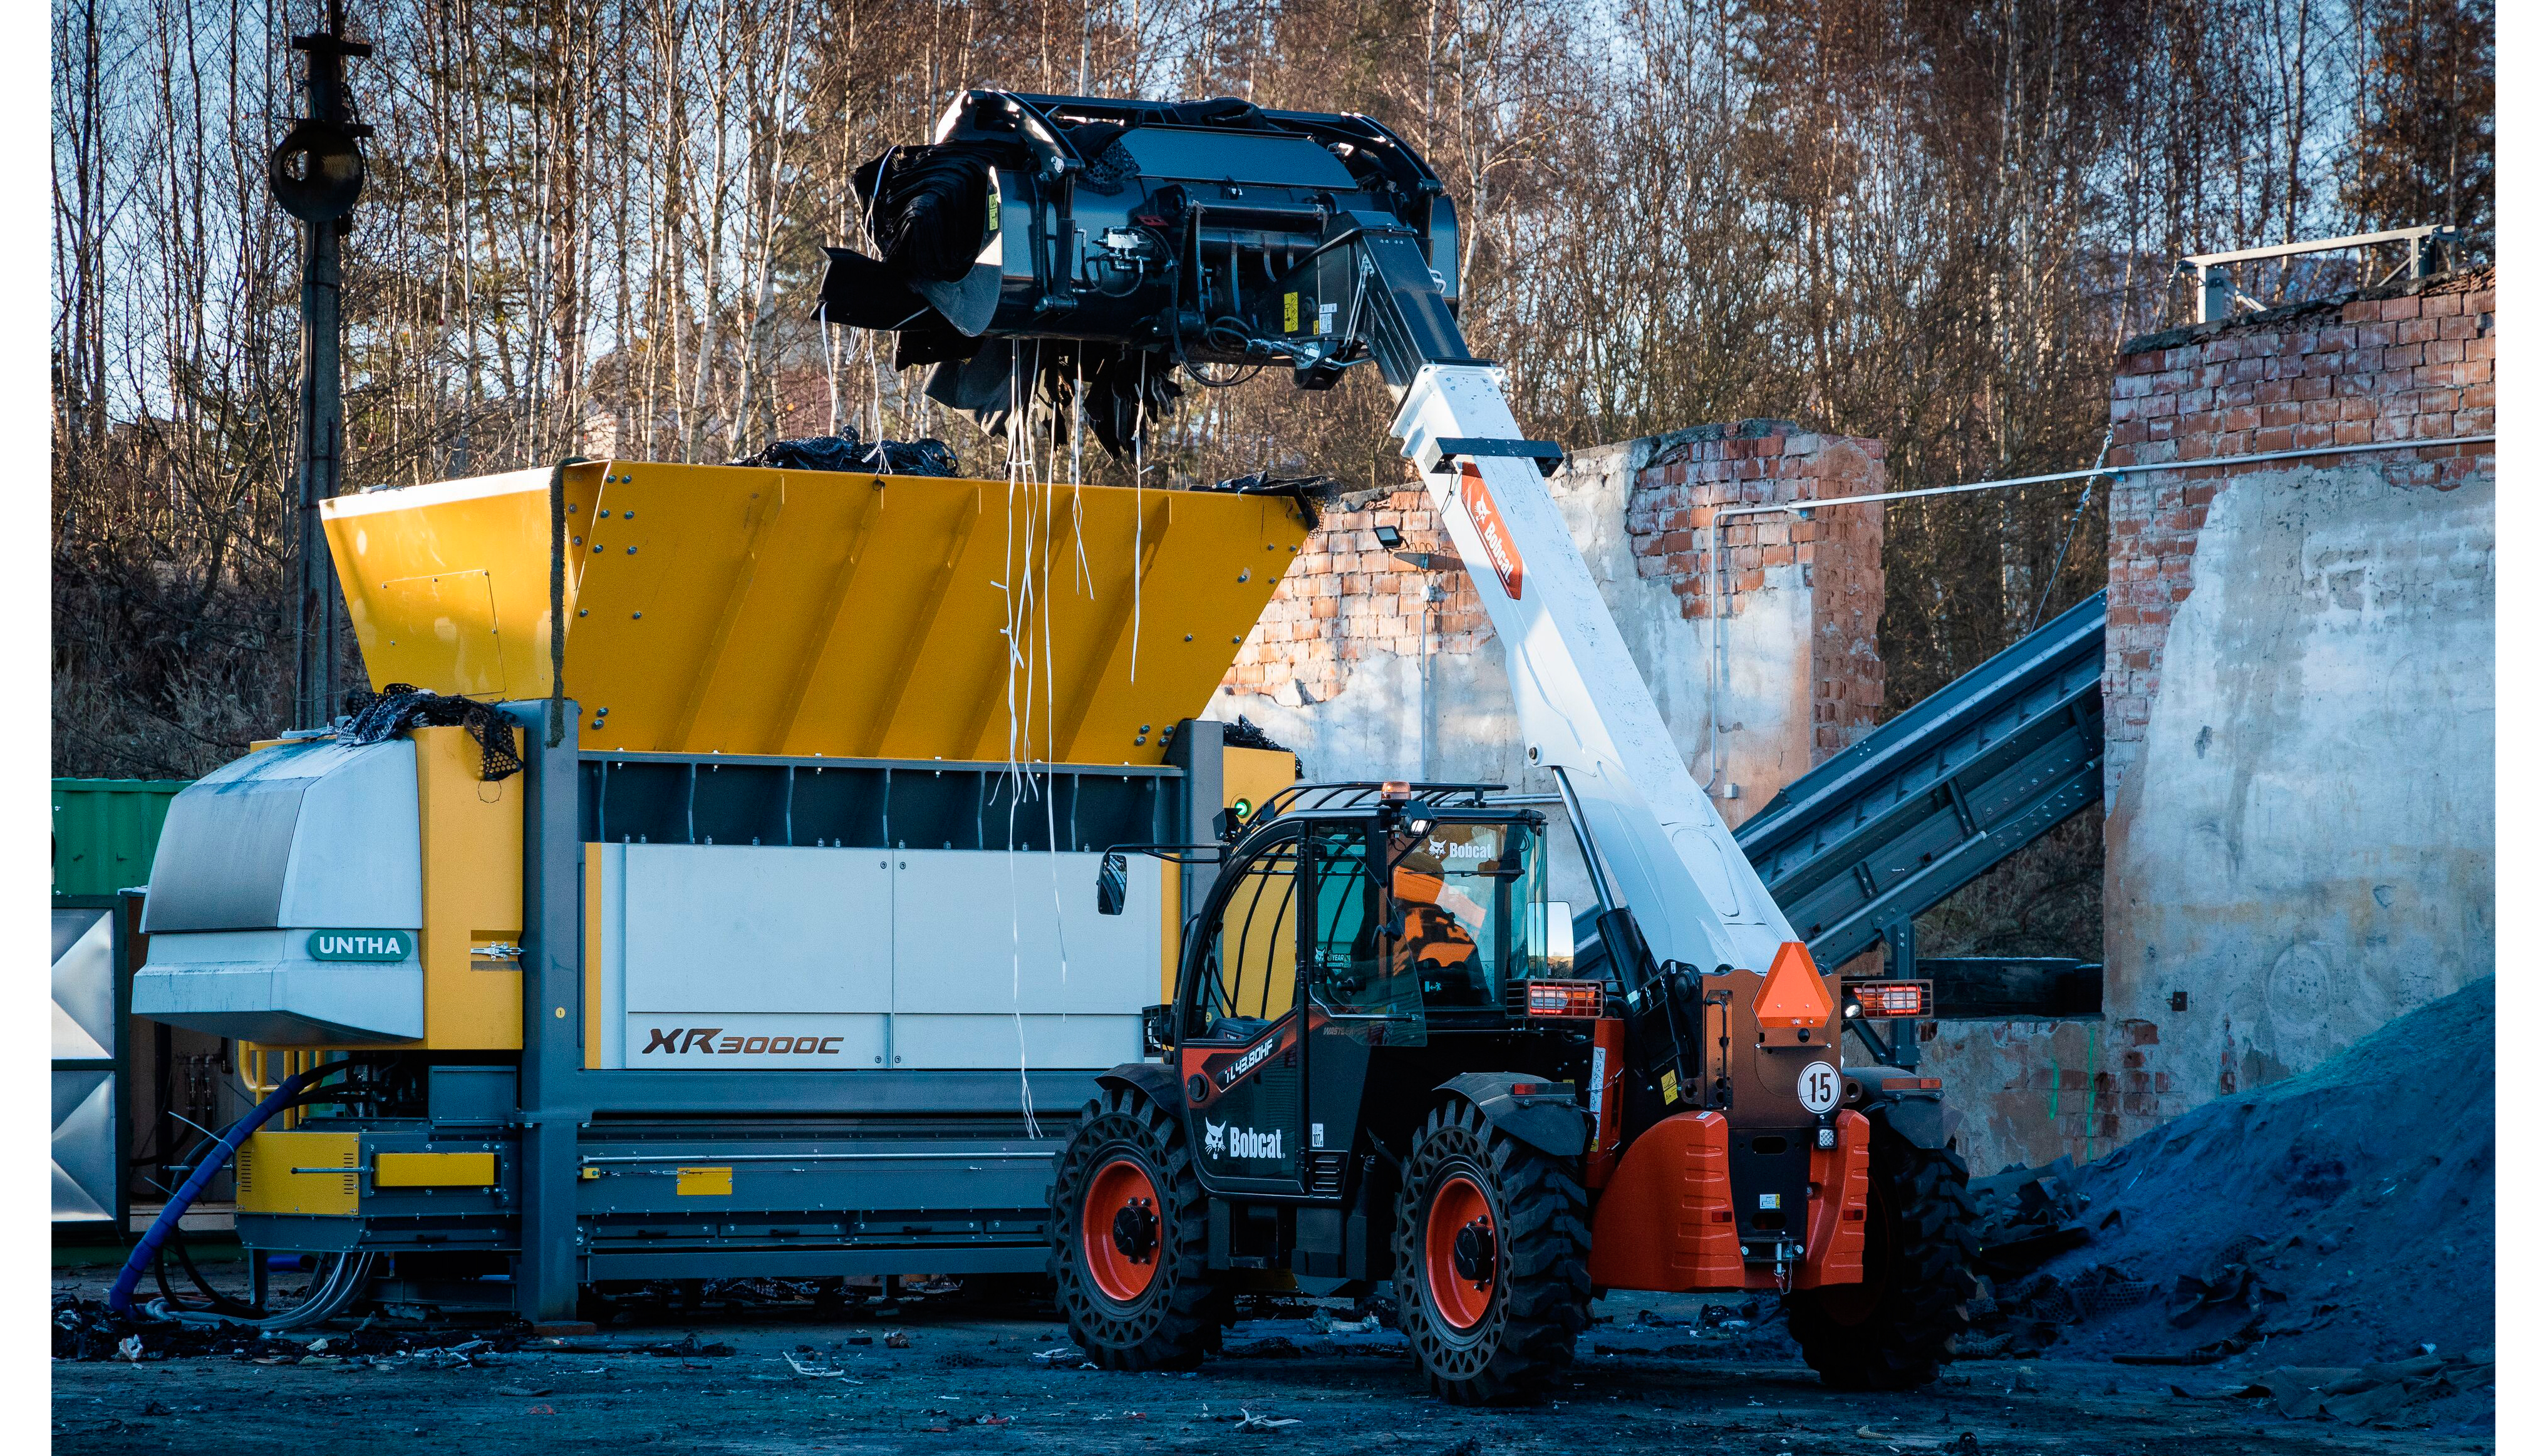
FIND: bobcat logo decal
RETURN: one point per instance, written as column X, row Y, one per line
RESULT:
column 1220, row 1140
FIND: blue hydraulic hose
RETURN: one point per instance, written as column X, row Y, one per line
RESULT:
column 144, row 1254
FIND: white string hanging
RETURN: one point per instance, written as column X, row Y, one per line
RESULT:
column 1017, row 599
column 1078, row 523
column 1140, row 428
column 831, row 367
column 1052, row 747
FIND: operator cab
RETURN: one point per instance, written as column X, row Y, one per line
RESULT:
column 1344, row 918
column 1422, row 903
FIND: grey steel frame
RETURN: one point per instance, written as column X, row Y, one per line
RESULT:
column 2218, row 297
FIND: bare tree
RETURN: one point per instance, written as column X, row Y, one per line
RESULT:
column 594, row 225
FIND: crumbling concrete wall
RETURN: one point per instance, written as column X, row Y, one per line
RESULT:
column 2299, row 719
column 1352, row 668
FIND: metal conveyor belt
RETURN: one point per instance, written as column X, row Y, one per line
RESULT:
column 1856, row 850
column 1913, row 812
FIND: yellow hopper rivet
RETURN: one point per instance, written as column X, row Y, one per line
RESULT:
column 561, row 1012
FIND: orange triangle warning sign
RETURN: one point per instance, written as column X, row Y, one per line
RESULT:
column 1792, row 994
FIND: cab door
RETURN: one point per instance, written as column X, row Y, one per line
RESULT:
column 1360, row 993
column 1240, row 1049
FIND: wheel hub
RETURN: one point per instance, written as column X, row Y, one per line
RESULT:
column 1460, row 1251
column 1473, row 1252
column 1120, row 1229
column 1136, row 1231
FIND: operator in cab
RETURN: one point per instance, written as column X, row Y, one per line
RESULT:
column 1437, row 919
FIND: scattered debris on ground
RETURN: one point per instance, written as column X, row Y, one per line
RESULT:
column 2288, row 1232
column 1348, row 1391
column 2357, row 1395
column 84, row 1329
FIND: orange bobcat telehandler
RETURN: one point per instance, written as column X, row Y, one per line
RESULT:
column 1377, row 1068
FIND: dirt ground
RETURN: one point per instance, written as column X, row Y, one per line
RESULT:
column 1652, row 1374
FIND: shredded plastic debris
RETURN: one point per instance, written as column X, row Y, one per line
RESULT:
column 844, row 452
column 377, row 717
column 2029, row 1214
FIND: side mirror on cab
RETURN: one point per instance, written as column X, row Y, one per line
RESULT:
column 1112, row 876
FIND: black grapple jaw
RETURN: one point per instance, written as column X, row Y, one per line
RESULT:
column 1102, row 246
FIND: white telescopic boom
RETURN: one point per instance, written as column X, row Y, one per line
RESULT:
column 1584, row 708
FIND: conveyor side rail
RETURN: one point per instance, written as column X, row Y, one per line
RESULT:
column 1860, row 847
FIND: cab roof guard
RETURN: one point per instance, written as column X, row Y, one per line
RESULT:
column 1300, row 798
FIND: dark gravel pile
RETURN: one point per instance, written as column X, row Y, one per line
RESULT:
column 2337, row 1220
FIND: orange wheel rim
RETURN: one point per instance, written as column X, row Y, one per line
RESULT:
column 1460, row 1251
column 1120, row 1231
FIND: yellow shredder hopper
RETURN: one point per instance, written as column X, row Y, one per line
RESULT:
column 744, row 610
column 772, row 667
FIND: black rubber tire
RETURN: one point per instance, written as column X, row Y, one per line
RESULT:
column 1178, row 1318
column 1890, row 1333
column 1542, row 1297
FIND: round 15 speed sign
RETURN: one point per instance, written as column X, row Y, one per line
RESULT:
column 1818, row 1087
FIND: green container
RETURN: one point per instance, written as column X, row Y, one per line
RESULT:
column 105, row 831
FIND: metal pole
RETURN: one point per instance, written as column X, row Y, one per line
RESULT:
column 2220, row 295
column 320, row 471
column 315, row 173
column 546, row 1274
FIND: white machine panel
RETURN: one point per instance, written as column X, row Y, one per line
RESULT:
column 736, row 928
column 261, row 985
column 743, row 955
column 310, row 836
column 1049, row 1042
column 999, row 930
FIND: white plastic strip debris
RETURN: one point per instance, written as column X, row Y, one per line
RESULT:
column 1716, row 596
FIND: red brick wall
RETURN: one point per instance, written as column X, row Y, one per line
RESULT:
column 1345, row 600
column 2414, row 361
column 1766, row 463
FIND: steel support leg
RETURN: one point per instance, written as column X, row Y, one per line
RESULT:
column 1198, row 750
column 1902, row 962
column 545, row 1274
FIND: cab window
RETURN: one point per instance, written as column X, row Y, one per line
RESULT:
column 1362, row 989
column 1459, row 899
column 1249, row 974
